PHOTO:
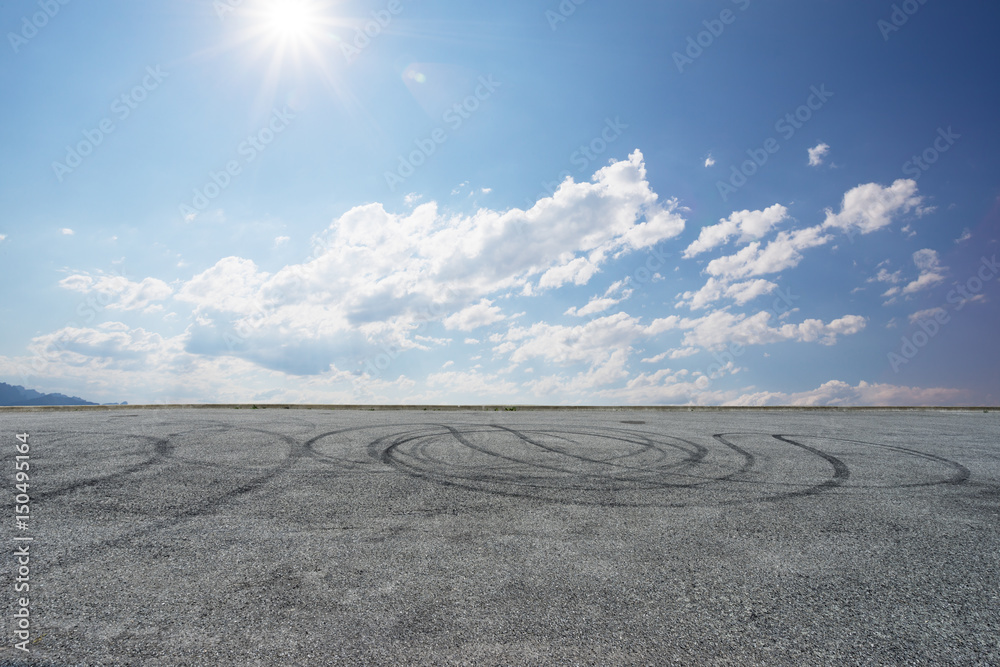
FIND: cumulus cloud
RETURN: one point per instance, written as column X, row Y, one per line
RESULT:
column 598, row 304
column 594, row 342
column 119, row 292
column 721, row 328
column 747, row 224
column 108, row 346
column 595, row 305
column 867, row 208
column 66, row 231
column 966, row 235
column 715, row 289
column 578, row 271
column 782, row 252
column 462, row 386
column 836, row 392
column 931, row 271
column 676, row 353
column 591, row 342
column 884, row 276
column 816, row 154
column 927, row 314
column 376, row 276
column 114, row 362
column 477, row 315
column 232, row 284
column 709, row 161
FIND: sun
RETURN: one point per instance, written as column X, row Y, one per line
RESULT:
column 289, row 20
column 287, row 45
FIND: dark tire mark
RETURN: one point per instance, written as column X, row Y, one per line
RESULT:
column 645, row 465
column 840, row 472
column 206, row 504
column 960, row 476
column 161, row 451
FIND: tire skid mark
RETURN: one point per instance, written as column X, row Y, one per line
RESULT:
column 229, row 429
column 204, row 505
column 840, row 472
column 960, row 476
column 408, row 452
column 161, row 451
column 699, row 454
column 645, row 482
column 392, row 450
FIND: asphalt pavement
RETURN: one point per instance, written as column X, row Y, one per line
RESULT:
column 473, row 537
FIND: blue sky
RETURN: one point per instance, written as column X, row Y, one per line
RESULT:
column 522, row 202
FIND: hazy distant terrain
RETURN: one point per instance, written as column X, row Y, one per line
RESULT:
column 18, row 395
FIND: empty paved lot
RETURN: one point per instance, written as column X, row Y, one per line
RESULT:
column 315, row 537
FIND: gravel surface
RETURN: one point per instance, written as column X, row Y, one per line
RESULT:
column 319, row 537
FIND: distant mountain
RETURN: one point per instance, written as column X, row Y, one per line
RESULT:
column 17, row 395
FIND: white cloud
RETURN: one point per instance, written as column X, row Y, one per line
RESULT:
column 883, row 276
column 779, row 254
column 715, row 289
column 931, row 271
column 578, row 271
column 966, row 235
column 748, row 224
column 121, row 293
column 486, row 191
column 460, row 387
column 836, row 392
column 676, row 353
column 720, row 328
column 113, row 362
column 591, row 342
column 471, row 341
column 664, row 387
column 927, row 314
column 233, row 285
column 709, row 161
column 478, row 315
column 595, row 342
column 595, row 305
column 599, row 304
column 378, row 276
column 3, row 237
column 816, row 154
column 870, row 207
column 66, row 231
column 280, row 240
column 745, row 292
